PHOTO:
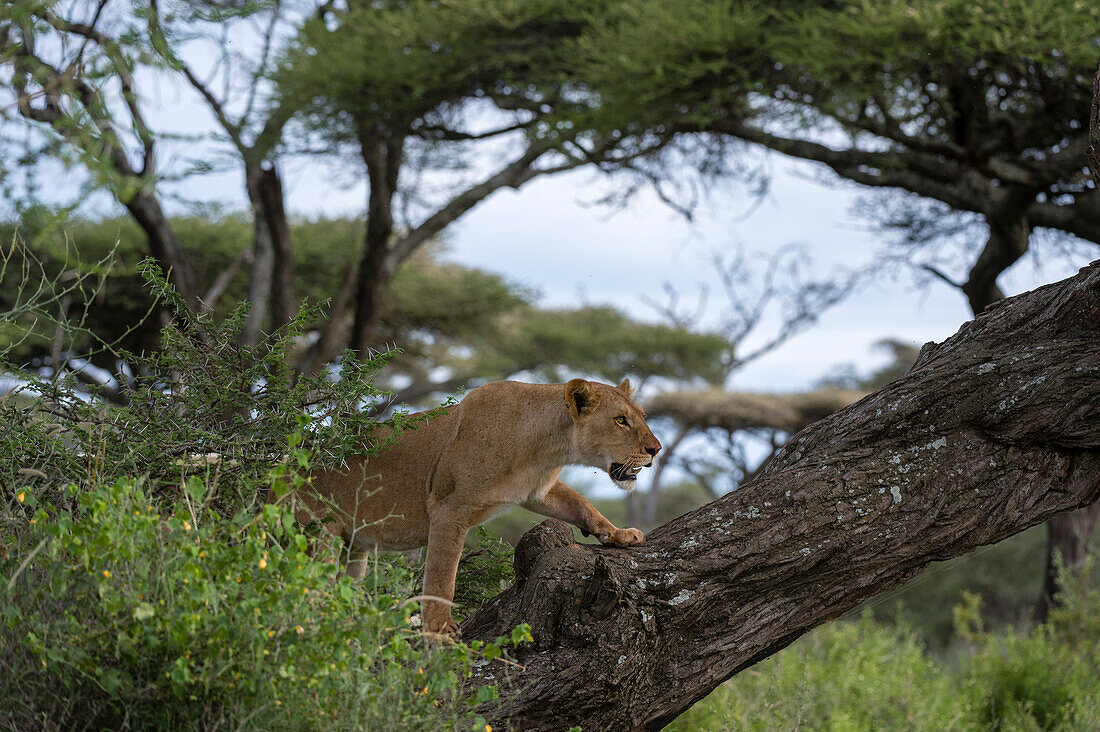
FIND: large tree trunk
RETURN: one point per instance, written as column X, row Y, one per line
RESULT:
column 382, row 157
column 269, row 286
column 1009, row 234
column 163, row 244
column 993, row 431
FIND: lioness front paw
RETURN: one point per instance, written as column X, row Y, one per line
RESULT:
column 623, row 537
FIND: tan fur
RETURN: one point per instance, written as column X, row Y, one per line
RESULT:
column 504, row 444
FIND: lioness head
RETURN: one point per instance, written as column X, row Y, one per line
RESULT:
column 609, row 430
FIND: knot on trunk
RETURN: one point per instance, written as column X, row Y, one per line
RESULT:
column 539, row 541
column 604, row 591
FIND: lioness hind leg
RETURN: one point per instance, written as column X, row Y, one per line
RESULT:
column 446, row 536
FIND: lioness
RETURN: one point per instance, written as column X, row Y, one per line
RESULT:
column 504, row 444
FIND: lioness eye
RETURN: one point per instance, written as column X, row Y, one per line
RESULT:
column 622, row 420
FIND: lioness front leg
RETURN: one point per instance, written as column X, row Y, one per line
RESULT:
column 562, row 502
column 446, row 536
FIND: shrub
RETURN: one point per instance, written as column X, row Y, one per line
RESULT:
column 148, row 586
column 130, row 616
column 857, row 675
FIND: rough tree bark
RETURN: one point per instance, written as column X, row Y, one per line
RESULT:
column 1069, row 537
column 993, row 431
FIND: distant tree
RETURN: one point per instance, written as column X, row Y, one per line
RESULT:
column 78, row 83
column 459, row 327
column 415, row 89
column 769, row 298
column 239, row 92
column 455, row 326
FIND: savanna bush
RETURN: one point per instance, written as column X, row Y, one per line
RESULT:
column 132, row 616
column 858, row 675
column 867, row 675
column 145, row 583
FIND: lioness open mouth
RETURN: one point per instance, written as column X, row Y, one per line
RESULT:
column 620, row 472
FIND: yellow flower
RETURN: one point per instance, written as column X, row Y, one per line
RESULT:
column 488, row 728
column 299, row 629
column 420, row 671
column 106, row 574
column 22, row 495
column 271, row 634
column 425, row 690
column 186, row 525
column 263, row 562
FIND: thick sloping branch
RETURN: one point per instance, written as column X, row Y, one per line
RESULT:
column 994, row 430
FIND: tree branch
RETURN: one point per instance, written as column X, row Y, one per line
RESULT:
column 937, row 179
column 991, row 432
column 512, row 175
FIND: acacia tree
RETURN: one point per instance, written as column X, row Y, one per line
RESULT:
column 73, row 79
column 429, row 84
column 84, row 88
column 973, row 110
column 460, row 326
column 991, row 432
column 769, row 299
column 252, row 118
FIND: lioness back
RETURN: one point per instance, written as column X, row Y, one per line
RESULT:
column 380, row 501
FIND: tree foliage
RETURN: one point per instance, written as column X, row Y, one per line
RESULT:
column 948, row 101
column 454, row 326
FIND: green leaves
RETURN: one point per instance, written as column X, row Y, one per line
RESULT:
column 144, row 611
column 223, row 618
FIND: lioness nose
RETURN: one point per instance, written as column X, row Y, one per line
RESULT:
column 654, row 448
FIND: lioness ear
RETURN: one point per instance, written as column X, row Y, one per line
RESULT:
column 626, row 388
column 580, row 397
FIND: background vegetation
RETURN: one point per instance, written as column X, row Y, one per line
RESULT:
column 147, row 586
